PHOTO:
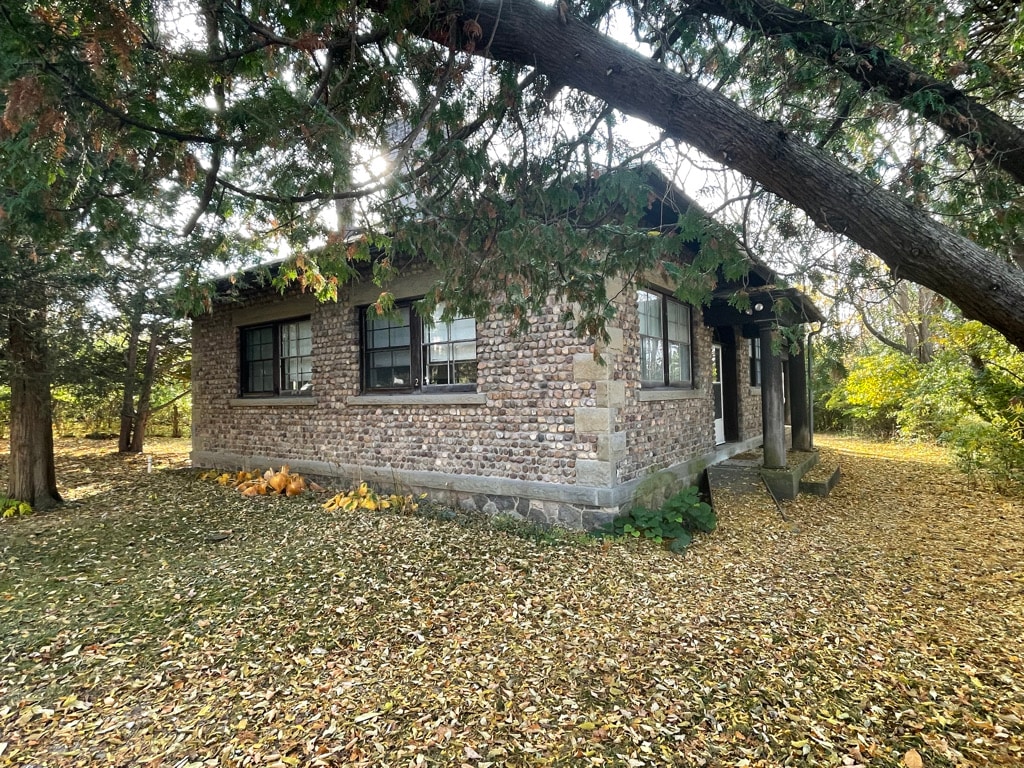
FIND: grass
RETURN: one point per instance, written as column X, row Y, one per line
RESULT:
column 160, row 620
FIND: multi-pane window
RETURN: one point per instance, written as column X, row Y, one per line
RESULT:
column 664, row 340
column 755, row 362
column 403, row 351
column 388, row 349
column 277, row 358
column 449, row 350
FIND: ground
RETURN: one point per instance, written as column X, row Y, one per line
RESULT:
column 159, row 619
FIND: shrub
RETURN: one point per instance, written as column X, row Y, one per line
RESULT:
column 875, row 390
column 674, row 523
column 993, row 449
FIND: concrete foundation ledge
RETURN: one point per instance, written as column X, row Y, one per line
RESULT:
column 785, row 481
column 585, row 505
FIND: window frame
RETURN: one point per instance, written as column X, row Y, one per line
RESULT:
column 665, row 301
column 276, row 360
column 419, row 342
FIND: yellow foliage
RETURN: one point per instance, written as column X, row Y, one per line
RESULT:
column 14, row 508
column 366, row 498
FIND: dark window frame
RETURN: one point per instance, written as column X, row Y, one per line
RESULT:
column 276, row 360
column 418, row 343
column 666, row 300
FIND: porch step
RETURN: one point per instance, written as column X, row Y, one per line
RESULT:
column 820, row 481
column 744, row 474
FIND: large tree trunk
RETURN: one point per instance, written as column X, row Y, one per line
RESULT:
column 912, row 244
column 124, row 438
column 143, row 410
column 33, row 476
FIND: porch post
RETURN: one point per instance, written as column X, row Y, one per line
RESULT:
column 773, row 408
column 799, row 414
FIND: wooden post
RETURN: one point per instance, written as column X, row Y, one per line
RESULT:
column 799, row 413
column 773, row 408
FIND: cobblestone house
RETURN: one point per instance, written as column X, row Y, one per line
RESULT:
column 541, row 429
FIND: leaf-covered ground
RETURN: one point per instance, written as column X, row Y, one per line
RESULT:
column 159, row 620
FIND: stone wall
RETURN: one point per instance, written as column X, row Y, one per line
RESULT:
column 551, row 434
column 750, row 397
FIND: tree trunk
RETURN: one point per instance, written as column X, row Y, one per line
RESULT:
column 124, row 440
column 907, row 239
column 175, row 421
column 143, row 410
column 908, row 318
column 33, row 476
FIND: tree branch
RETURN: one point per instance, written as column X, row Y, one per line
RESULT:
column 962, row 117
column 907, row 239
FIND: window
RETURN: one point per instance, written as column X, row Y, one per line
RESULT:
column 755, row 362
column 277, row 358
column 664, row 340
column 405, row 352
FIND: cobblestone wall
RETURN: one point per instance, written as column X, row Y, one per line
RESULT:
column 667, row 426
column 546, row 414
column 525, row 430
column 750, row 397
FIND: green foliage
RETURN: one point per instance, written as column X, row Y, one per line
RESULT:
column 14, row 508
column 972, row 398
column 676, row 522
column 829, row 351
column 969, row 395
column 5, row 409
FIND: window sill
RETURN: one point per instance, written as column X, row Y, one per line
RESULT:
column 668, row 393
column 453, row 398
column 263, row 402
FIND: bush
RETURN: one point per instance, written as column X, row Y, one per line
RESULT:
column 969, row 396
column 674, row 523
column 874, row 392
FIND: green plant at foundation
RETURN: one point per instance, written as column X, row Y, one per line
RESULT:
column 674, row 523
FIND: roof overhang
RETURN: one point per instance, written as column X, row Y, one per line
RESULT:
column 782, row 306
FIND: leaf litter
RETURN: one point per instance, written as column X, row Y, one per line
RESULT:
column 881, row 626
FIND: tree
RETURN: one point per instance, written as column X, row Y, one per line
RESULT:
column 966, row 119
column 358, row 85
column 910, row 242
column 70, row 171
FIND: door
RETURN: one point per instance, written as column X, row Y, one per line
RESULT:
column 716, row 392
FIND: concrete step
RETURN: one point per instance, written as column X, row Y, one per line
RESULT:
column 820, row 481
